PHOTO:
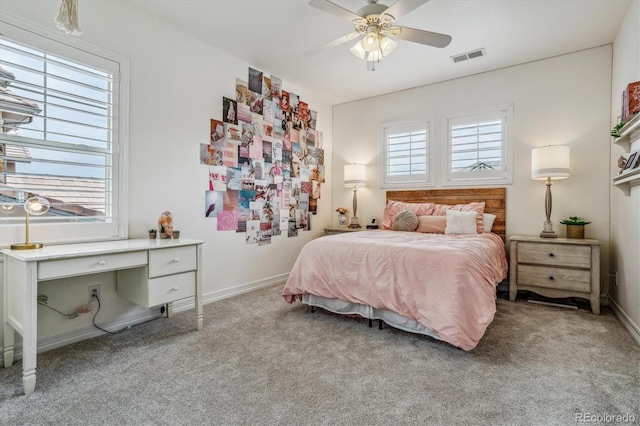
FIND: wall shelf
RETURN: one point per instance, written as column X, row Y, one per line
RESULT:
column 629, row 133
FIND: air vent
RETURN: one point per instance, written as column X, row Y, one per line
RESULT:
column 469, row 55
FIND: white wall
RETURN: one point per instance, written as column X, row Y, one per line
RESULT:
column 177, row 85
column 625, row 210
column 561, row 100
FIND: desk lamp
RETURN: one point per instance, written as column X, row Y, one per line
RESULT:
column 36, row 206
column 549, row 163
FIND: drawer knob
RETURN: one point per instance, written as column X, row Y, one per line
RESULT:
column 176, row 260
column 102, row 262
column 551, row 278
column 550, row 254
column 174, row 288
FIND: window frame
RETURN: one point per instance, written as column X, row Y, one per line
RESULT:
column 426, row 180
column 479, row 177
column 55, row 42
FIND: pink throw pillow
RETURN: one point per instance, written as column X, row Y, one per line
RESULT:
column 432, row 224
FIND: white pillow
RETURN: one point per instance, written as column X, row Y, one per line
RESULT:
column 487, row 221
column 461, row 222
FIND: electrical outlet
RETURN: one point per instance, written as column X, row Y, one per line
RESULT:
column 94, row 290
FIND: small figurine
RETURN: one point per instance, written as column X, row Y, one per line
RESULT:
column 166, row 222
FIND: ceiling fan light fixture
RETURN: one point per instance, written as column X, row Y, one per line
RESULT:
column 371, row 41
column 387, row 45
column 358, row 51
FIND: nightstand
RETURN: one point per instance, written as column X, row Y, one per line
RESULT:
column 337, row 230
column 555, row 267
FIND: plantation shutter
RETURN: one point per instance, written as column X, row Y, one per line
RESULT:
column 58, row 134
column 406, row 154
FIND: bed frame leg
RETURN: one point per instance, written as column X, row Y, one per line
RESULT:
column 370, row 323
column 379, row 324
column 313, row 309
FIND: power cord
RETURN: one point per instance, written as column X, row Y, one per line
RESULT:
column 42, row 300
column 124, row 329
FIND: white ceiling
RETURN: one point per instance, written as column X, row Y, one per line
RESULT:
column 273, row 35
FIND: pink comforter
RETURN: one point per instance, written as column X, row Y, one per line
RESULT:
column 445, row 282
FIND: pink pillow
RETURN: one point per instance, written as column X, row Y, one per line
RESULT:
column 441, row 210
column 394, row 207
column 432, row 224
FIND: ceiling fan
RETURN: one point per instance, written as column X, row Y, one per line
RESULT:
column 374, row 23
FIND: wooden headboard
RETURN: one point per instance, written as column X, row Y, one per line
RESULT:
column 495, row 201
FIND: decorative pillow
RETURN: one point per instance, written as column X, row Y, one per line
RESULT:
column 461, row 222
column 406, row 220
column 441, row 210
column 394, row 207
column 487, row 221
column 432, row 224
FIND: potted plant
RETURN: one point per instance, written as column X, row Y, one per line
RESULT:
column 163, row 233
column 575, row 226
column 153, row 233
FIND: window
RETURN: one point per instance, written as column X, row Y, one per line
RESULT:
column 479, row 148
column 406, row 154
column 61, row 135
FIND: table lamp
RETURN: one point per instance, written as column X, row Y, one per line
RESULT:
column 36, row 206
column 355, row 177
column 549, row 163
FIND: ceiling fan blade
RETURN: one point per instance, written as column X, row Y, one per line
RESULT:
column 403, row 7
column 334, row 9
column 420, row 36
column 332, row 44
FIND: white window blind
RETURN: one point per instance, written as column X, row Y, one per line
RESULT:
column 406, row 154
column 479, row 147
column 59, row 131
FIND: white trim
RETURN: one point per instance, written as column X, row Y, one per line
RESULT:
column 61, row 233
column 626, row 321
column 409, row 181
column 475, row 178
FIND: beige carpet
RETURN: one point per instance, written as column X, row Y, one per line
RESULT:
column 261, row 361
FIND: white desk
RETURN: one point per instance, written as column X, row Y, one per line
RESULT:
column 149, row 273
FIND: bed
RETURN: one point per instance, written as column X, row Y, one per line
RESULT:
column 439, row 285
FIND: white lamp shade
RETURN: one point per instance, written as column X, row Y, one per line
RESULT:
column 387, row 46
column 355, row 175
column 357, row 50
column 550, row 162
column 371, row 41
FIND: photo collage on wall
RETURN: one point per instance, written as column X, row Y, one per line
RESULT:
column 266, row 162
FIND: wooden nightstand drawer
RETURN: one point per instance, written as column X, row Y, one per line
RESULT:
column 558, row 278
column 555, row 255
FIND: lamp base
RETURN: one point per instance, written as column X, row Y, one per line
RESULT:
column 26, row 246
column 355, row 222
column 548, row 234
column 547, row 229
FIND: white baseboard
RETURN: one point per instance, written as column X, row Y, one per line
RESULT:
column 55, row 341
column 189, row 303
column 633, row 329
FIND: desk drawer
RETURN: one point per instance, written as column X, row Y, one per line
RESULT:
column 172, row 260
column 171, row 288
column 83, row 265
column 557, row 278
column 555, row 254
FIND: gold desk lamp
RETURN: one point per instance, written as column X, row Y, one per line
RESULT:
column 35, row 206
